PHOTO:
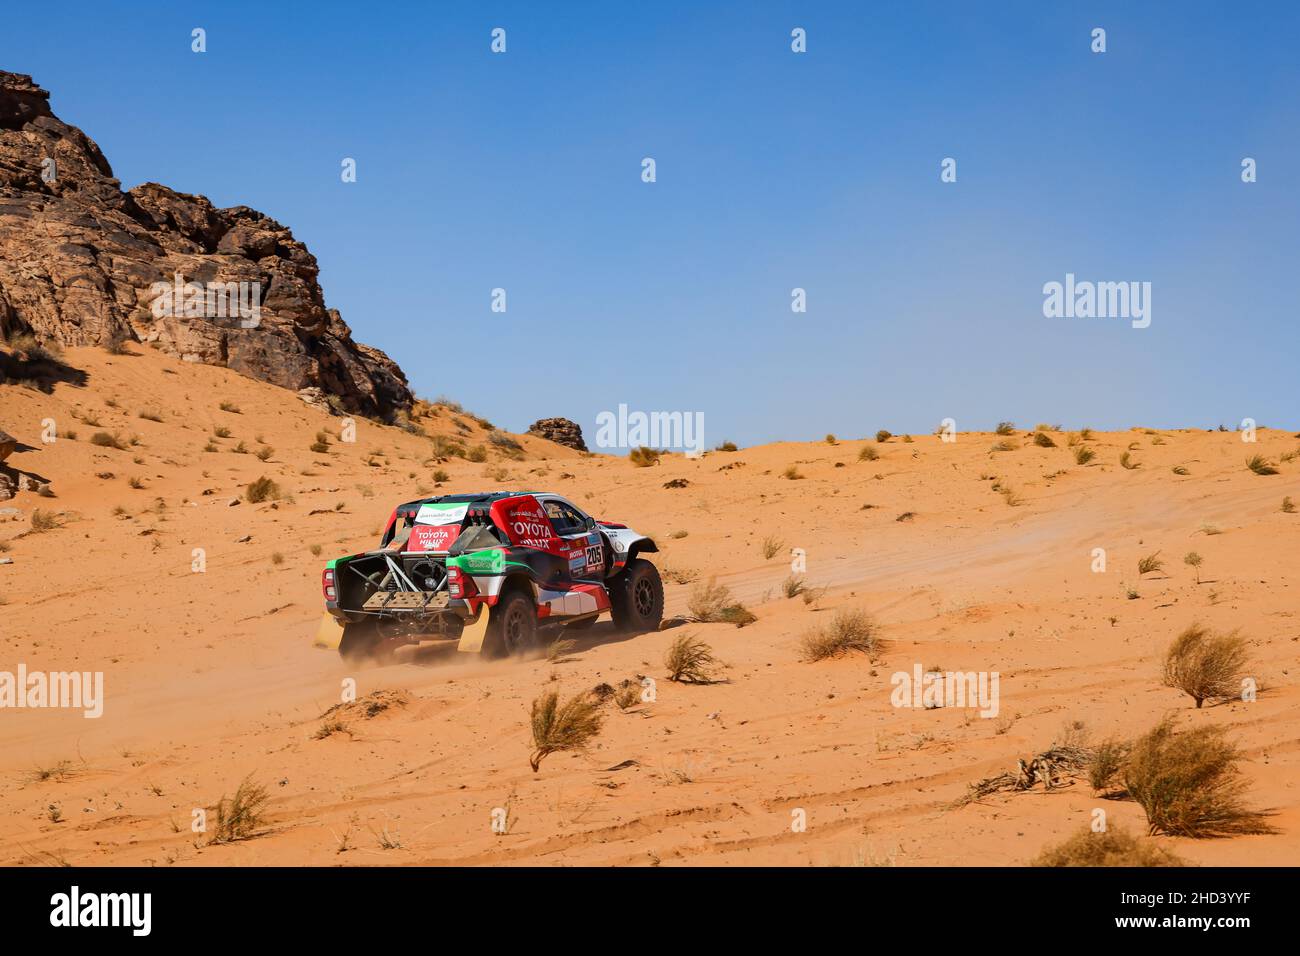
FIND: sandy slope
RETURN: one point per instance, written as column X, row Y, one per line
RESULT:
column 211, row 677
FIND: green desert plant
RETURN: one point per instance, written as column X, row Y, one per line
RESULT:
column 850, row 630
column 1205, row 665
column 1111, row 847
column 1106, row 765
column 1260, row 465
column 568, row 727
column 1194, row 561
column 1189, row 784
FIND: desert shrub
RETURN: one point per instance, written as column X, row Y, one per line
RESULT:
column 1106, row 765
column 868, row 454
column 832, row 440
column 793, row 586
column 1112, row 847
column 239, row 817
column 1288, row 506
column 643, row 457
column 1180, row 470
column 1150, row 563
column 477, row 454
column 1126, row 460
column 135, row 482
column 1205, row 665
column 1005, row 428
column 1002, row 446
column 712, row 603
column 1043, row 440
column 265, row 452
column 441, row 476
column 1260, row 465
column 263, row 489
column 1083, row 454
column 727, row 446
column 44, row 521
column 1189, row 784
column 883, row 436
column 230, row 407
column 690, row 661
column 792, row 473
column 150, row 414
column 771, row 545
column 105, row 440
column 556, row 728
column 850, row 630
column 1194, row 561
column 221, row 431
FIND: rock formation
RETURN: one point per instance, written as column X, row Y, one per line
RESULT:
column 84, row 263
column 559, row 430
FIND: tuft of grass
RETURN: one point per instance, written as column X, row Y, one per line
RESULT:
column 136, row 482
column 1189, row 784
column 263, row 489
column 1150, row 563
column 1083, row 454
column 849, row 630
column 690, row 661
column 643, row 457
column 1126, row 460
column 105, row 440
column 1106, row 766
column 1288, row 506
column 1205, row 665
column 229, row 407
column 558, row 650
column 868, row 454
column 1010, row 497
column 771, row 545
column 265, row 453
column 792, row 473
column 221, row 431
column 793, row 586
column 1112, row 847
column 1043, row 440
column 440, row 476
column 1180, row 470
column 240, row 817
column 43, row 521
column 1260, row 465
column 1085, row 434
column 1003, row 446
column 150, row 414
column 711, row 603
column 556, row 728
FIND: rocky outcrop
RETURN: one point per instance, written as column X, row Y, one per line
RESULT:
column 559, row 430
column 84, row 263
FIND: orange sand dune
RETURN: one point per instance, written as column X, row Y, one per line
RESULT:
column 210, row 677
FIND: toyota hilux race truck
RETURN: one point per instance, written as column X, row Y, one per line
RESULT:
column 491, row 571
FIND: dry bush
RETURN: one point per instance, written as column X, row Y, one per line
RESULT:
column 1188, row 783
column 793, row 586
column 727, row 446
column 792, row 473
column 771, row 545
column 105, row 440
column 1005, row 428
column 711, row 603
column 832, row 440
column 1180, row 470
column 150, row 414
column 557, row 728
column 1127, row 461
column 1043, row 440
column 690, row 661
column 1288, row 506
column 44, row 521
column 849, row 630
column 1193, row 560
column 1106, row 766
column 1083, row 454
column 883, row 436
column 868, row 454
column 1260, row 465
column 263, row 489
column 1150, row 563
column 265, row 453
column 559, row 650
column 239, row 817
column 1204, row 665
column 643, row 457
column 1003, row 446
column 1112, row 847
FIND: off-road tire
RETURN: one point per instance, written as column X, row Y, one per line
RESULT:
column 512, row 625
column 636, row 597
column 362, row 643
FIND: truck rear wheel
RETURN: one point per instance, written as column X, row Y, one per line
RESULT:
column 362, row 642
column 512, row 625
column 636, row 597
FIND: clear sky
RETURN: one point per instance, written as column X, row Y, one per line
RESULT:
column 775, row 170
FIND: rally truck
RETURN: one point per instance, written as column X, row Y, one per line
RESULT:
column 493, row 572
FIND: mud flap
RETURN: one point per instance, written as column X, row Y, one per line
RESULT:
column 328, row 633
column 471, row 638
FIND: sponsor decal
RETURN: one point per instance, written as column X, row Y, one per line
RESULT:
column 428, row 538
column 490, row 561
column 441, row 513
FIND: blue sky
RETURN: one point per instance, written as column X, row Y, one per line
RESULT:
column 775, row 171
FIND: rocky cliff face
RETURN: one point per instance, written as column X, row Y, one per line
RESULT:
column 84, row 263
